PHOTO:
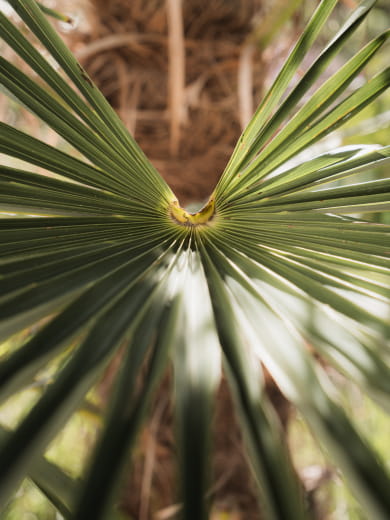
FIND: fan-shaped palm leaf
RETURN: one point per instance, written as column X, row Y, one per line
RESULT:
column 104, row 253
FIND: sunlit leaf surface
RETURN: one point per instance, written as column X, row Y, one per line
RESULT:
column 104, row 254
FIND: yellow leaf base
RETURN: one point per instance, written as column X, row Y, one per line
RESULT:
column 200, row 218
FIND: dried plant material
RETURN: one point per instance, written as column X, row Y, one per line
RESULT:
column 168, row 512
column 150, row 457
column 113, row 41
column 176, row 53
column 245, row 84
column 188, row 132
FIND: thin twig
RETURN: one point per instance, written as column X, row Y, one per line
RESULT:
column 176, row 53
column 114, row 41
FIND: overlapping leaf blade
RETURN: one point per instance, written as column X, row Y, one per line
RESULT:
column 107, row 266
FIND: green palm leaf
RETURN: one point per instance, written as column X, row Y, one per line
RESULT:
column 102, row 258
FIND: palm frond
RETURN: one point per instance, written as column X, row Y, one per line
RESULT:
column 279, row 265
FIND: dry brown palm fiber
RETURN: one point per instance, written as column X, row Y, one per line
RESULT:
column 182, row 90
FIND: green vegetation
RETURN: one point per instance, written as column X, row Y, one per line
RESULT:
column 99, row 262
